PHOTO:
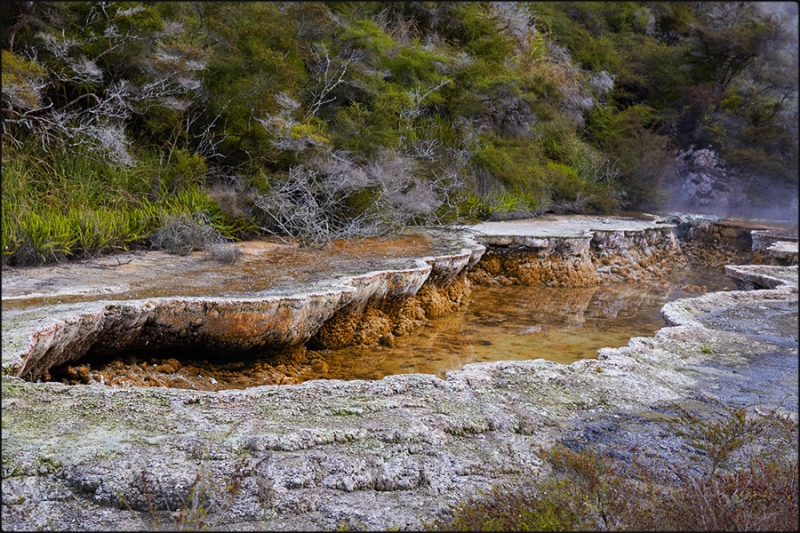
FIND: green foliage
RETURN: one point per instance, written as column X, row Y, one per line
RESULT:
column 673, row 20
column 255, row 57
column 366, row 131
column 508, row 165
column 413, row 65
column 644, row 161
column 598, row 54
column 555, row 137
column 515, row 165
column 641, row 158
column 567, row 183
column 184, row 171
column 569, row 106
column 653, row 71
column 367, row 35
column 437, row 128
column 608, row 127
column 505, row 205
column 20, row 77
column 66, row 204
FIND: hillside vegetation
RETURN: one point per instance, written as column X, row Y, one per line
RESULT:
column 130, row 123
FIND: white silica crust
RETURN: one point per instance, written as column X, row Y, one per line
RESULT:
column 372, row 454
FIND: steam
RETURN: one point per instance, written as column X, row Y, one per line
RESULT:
column 701, row 186
column 785, row 12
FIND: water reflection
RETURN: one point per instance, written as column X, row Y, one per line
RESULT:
column 499, row 324
column 521, row 323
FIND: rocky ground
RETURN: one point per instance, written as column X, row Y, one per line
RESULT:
column 381, row 454
column 264, row 266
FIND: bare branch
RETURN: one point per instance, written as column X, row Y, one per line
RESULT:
column 24, row 19
column 328, row 80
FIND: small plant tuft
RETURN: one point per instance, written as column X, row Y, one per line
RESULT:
column 224, row 253
column 183, row 234
column 206, row 502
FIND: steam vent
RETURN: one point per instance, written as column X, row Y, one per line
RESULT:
column 89, row 450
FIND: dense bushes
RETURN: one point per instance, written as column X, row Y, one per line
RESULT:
column 516, row 107
column 334, row 198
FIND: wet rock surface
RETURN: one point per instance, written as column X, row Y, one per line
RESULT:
column 762, row 276
column 783, row 253
column 264, row 266
column 372, row 454
column 576, row 251
column 750, row 344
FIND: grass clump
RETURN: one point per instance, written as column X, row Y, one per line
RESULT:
column 66, row 204
column 743, row 476
column 183, row 234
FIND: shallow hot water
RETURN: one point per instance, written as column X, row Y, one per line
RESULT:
column 521, row 323
column 499, row 324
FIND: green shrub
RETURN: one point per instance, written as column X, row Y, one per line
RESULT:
column 567, row 183
column 368, row 35
column 501, row 205
column 515, row 164
column 183, row 171
column 597, row 54
column 415, row 64
column 20, row 77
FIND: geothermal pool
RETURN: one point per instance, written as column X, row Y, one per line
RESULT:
column 499, row 324
column 520, row 322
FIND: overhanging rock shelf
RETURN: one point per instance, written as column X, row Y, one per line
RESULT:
column 574, row 251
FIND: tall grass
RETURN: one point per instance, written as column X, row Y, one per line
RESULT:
column 64, row 204
column 502, row 205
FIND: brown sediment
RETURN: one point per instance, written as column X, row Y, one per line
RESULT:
column 720, row 255
column 392, row 316
column 435, row 300
column 567, row 262
column 378, row 323
column 283, row 368
column 521, row 267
